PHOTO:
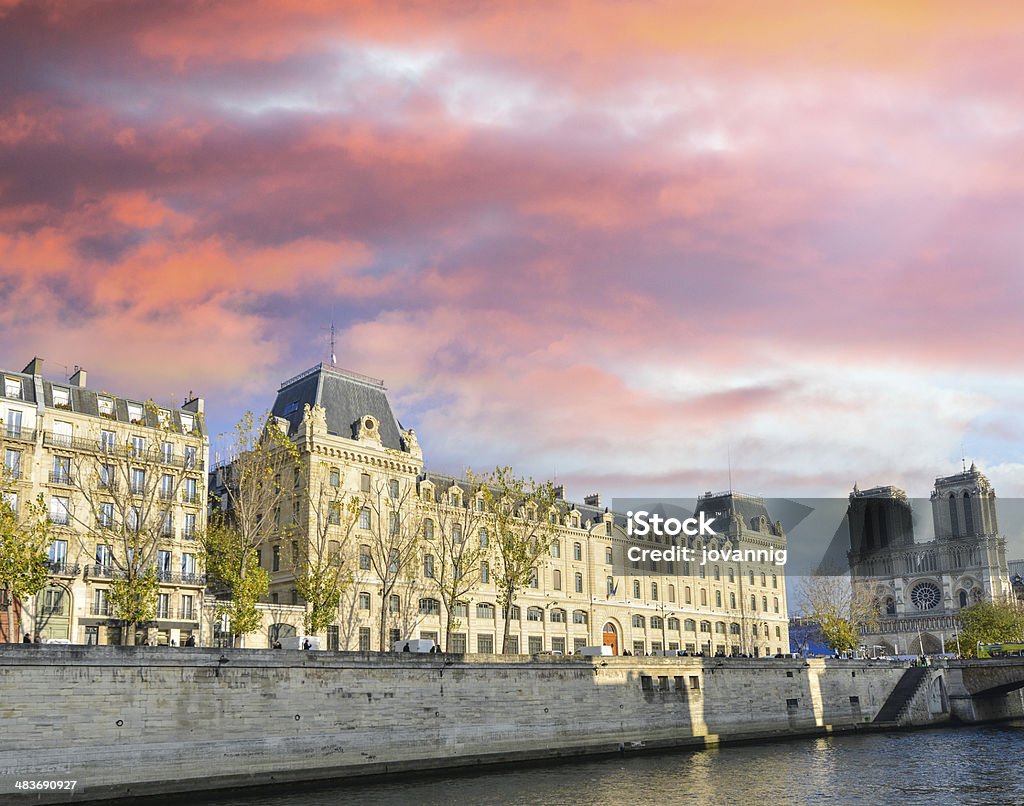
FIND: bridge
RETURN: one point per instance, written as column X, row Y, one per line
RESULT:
column 985, row 689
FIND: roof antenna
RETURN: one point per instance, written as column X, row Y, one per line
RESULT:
column 728, row 453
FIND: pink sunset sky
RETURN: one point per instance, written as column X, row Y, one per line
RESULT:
column 614, row 242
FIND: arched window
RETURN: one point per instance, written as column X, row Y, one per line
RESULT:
column 718, row 598
column 430, row 607
column 579, row 616
column 753, row 602
column 720, row 627
column 578, row 582
column 558, row 615
column 654, row 591
column 703, row 597
column 534, row 614
column 608, row 556
column 428, row 566
column 963, row 598
column 718, row 574
column 671, row 593
column 395, row 603
column 969, row 515
column 485, row 610
column 705, row 626
column 673, row 624
column 954, row 520
column 734, row 629
column 690, row 625
column 364, row 601
column 638, row 622
column 657, row 623
column 556, row 579
column 890, row 605
column 688, row 595
column 577, row 551
column 764, row 604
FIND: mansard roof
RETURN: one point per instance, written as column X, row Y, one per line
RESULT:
column 345, row 396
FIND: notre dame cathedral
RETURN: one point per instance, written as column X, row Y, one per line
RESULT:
column 921, row 587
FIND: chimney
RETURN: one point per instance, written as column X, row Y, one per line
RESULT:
column 560, row 492
column 593, row 500
column 194, row 404
column 35, row 367
column 78, row 379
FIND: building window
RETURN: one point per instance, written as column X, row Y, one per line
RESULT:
column 12, row 387
column 163, row 605
column 275, row 562
column 428, row 566
column 60, row 510
column 607, row 527
column 608, row 556
column 484, row 538
column 688, row 595
column 12, row 463
column 457, row 534
column 428, row 529
column 753, row 603
column 485, row 573
column 556, row 549
column 775, row 604
column 335, row 477
column 430, row 607
column 364, row 482
column 333, row 641
column 458, row 643
column 556, row 579
column 189, row 529
column 578, row 582
column 690, row 625
column 705, row 626
column 334, row 513
column 636, row 588
column 364, row 558
column 485, row 644
column 703, row 598
column 364, row 639
column 638, row 622
column 535, row 644
column 558, row 616
column 461, row 610
column 534, row 614
column 364, row 601
column 718, row 598
column 364, row 518
column 579, row 616
column 393, row 488
column 534, row 579
column 61, row 397
column 609, row 586
column 187, row 423
column 654, row 591
column 485, row 610
column 394, row 603
column 190, row 456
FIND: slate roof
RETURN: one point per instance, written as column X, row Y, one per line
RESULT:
column 346, row 397
column 723, row 505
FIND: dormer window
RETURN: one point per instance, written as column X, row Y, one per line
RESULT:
column 106, row 405
column 188, row 423
column 164, row 417
column 135, row 413
column 61, row 397
column 12, row 387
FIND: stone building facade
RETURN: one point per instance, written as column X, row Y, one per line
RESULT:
column 922, row 586
column 106, row 467
column 585, row 592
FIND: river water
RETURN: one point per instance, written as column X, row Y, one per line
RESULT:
column 981, row 765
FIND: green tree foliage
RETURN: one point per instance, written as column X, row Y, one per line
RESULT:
column 23, row 562
column 521, row 512
column 262, row 461
column 988, row 623
column 323, row 574
column 457, row 535
column 842, row 611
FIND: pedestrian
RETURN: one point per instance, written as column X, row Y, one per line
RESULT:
column 28, row 639
column 38, row 639
column 306, row 644
column 191, row 640
column 277, row 644
column 406, row 648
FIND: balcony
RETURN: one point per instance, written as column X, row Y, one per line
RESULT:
column 169, row 578
column 63, row 569
column 20, row 434
column 99, row 572
column 61, row 477
column 166, row 495
column 190, row 499
column 100, row 609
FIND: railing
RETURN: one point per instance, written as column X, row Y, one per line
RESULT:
column 62, row 569
column 99, row 572
column 167, row 533
column 100, row 609
column 187, row 614
column 60, row 519
column 191, row 499
column 14, row 473
column 117, row 450
column 166, row 495
column 181, row 579
column 60, row 477
column 21, row 434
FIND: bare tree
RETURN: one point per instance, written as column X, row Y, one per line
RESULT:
column 395, row 533
column 843, row 611
column 323, row 571
column 261, row 462
column 123, row 513
column 458, row 538
column 522, row 514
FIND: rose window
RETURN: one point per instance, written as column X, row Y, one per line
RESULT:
column 926, row 596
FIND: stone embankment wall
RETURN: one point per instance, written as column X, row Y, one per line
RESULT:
column 132, row 721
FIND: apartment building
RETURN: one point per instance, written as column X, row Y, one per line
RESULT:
column 584, row 592
column 124, row 482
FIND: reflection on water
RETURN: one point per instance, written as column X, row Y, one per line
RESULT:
column 978, row 766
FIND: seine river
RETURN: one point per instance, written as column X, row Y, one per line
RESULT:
column 967, row 765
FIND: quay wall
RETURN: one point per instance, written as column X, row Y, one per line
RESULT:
column 138, row 721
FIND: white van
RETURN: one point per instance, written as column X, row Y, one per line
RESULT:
column 420, row 645
column 300, row 642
